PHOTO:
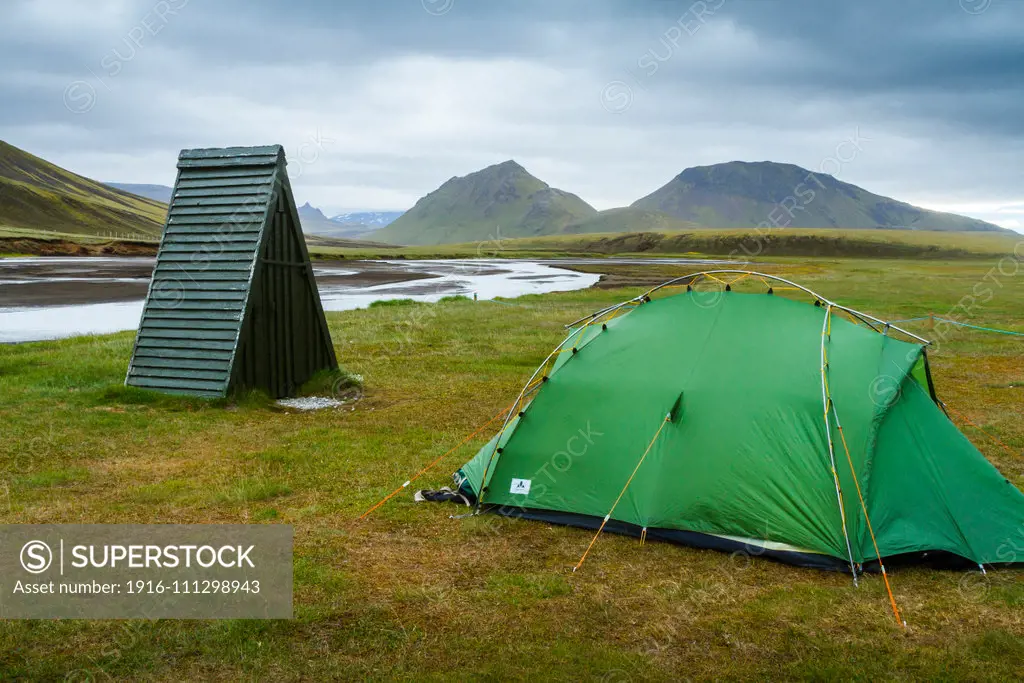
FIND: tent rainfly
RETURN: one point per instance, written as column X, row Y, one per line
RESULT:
column 743, row 421
column 232, row 304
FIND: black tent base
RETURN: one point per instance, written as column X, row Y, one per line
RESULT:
column 694, row 539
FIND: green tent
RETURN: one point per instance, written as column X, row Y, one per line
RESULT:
column 749, row 421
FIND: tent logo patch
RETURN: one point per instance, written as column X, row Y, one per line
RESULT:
column 520, row 486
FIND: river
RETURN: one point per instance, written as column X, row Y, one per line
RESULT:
column 54, row 297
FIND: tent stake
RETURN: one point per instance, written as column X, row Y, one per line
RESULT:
column 437, row 460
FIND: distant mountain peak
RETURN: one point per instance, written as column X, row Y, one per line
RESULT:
column 745, row 194
column 502, row 199
column 509, row 165
column 307, row 210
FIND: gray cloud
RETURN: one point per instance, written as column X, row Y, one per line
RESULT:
column 609, row 98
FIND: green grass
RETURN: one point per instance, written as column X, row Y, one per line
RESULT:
column 12, row 233
column 412, row 594
column 391, row 303
column 38, row 195
column 736, row 244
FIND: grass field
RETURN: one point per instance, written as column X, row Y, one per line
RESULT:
column 412, row 594
column 735, row 244
column 732, row 244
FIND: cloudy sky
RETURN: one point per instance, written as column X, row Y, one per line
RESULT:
column 378, row 102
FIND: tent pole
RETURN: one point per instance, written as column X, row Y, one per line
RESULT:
column 826, row 401
column 668, row 418
column 692, row 277
column 871, row 530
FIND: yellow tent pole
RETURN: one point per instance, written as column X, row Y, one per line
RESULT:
column 664, row 422
column 826, row 400
column 864, row 507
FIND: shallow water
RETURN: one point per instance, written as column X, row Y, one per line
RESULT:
column 341, row 288
column 54, row 297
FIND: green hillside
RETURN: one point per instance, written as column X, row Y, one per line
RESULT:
column 741, row 195
column 739, row 245
column 37, row 195
column 629, row 219
column 499, row 201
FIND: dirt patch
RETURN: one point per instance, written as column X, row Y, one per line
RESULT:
column 40, row 247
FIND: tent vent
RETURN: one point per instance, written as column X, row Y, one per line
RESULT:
column 677, row 409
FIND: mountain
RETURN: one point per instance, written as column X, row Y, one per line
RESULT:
column 744, row 195
column 315, row 222
column 37, row 195
column 629, row 219
column 310, row 212
column 371, row 219
column 499, row 201
column 358, row 224
column 158, row 193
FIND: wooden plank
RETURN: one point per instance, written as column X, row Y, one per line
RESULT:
column 200, row 248
column 224, row 162
column 241, row 219
column 212, row 286
column 230, row 152
column 176, row 276
column 204, row 256
column 189, row 307
column 181, row 373
column 202, row 364
column 247, row 213
column 175, row 355
column 192, row 344
column 187, row 384
column 197, row 317
column 233, row 172
column 213, row 233
column 201, row 275
column 204, row 192
column 249, row 199
column 255, row 184
column 184, row 324
column 198, row 239
column 176, row 301
column 156, row 333
column 186, row 295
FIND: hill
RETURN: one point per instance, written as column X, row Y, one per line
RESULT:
column 740, row 194
column 158, row 193
column 37, row 195
column 499, row 201
column 628, row 219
